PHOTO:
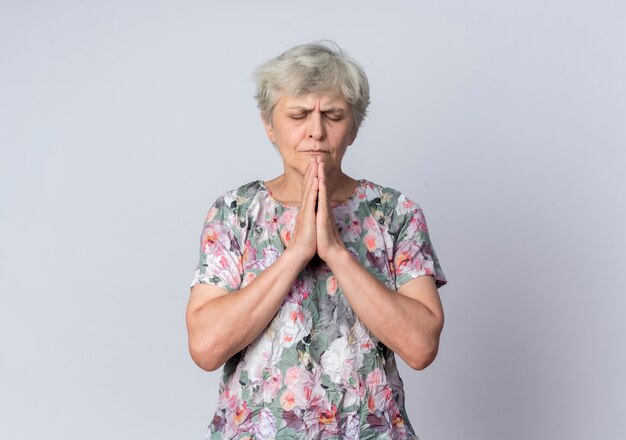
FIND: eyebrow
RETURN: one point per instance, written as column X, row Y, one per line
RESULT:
column 331, row 109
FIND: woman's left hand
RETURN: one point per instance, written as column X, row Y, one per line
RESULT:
column 328, row 238
column 408, row 321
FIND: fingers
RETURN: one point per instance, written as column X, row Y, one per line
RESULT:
column 328, row 237
column 325, row 217
column 303, row 239
column 323, row 202
column 307, row 177
column 309, row 187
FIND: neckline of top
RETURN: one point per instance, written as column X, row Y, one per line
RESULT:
column 360, row 184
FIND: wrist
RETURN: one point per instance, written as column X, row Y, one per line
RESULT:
column 337, row 256
column 297, row 257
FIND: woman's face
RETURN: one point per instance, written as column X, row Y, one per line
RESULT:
column 312, row 126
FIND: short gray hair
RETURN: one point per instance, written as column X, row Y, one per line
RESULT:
column 315, row 69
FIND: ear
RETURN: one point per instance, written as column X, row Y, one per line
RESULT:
column 269, row 130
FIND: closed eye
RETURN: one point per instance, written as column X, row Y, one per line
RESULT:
column 333, row 116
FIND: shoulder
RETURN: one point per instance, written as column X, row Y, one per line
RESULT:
column 243, row 196
column 391, row 209
column 389, row 200
column 233, row 205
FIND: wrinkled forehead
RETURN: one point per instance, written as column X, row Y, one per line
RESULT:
column 325, row 101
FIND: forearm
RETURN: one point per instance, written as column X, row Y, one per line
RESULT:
column 225, row 325
column 404, row 324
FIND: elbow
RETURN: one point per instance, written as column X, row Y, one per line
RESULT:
column 425, row 347
column 421, row 358
column 207, row 364
column 205, row 355
column 206, row 346
column 422, row 352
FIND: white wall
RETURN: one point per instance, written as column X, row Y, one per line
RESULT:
column 121, row 121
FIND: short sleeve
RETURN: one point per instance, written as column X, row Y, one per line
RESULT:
column 413, row 253
column 220, row 260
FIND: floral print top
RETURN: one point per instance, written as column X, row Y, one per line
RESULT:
column 315, row 372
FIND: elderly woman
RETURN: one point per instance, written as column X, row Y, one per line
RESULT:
column 308, row 283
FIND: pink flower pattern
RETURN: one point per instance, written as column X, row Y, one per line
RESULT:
column 316, row 372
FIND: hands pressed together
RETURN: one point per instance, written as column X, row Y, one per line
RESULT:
column 315, row 230
column 408, row 321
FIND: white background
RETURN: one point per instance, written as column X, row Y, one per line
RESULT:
column 122, row 121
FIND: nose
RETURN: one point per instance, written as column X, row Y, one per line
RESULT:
column 316, row 127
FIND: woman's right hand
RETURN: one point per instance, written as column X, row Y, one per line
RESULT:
column 304, row 238
column 221, row 324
